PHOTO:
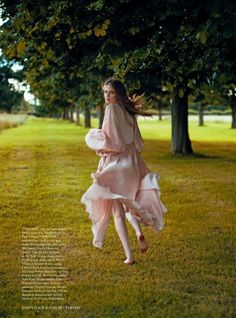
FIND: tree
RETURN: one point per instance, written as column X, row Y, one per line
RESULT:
column 181, row 47
column 9, row 96
column 202, row 101
column 218, row 94
column 57, row 43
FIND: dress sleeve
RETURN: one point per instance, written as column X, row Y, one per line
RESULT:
column 109, row 139
column 138, row 141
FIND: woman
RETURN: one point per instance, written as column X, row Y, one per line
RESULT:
column 122, row 183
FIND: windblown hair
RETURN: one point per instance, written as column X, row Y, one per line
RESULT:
column 132, row 104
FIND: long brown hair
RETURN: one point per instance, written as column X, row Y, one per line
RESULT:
column 132, row 104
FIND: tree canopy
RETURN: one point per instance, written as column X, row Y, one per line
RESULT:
column 68, row 47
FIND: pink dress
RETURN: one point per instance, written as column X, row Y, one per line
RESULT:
column 121, row 174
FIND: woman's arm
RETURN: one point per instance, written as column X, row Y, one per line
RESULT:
column 108, row 140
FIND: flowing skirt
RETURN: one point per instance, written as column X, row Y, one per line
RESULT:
column 123, row 176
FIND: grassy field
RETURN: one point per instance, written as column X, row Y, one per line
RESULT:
column 189, row 269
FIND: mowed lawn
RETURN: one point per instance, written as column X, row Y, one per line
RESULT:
column 189, row 269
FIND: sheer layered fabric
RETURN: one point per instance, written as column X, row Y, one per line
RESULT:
column 121, row 174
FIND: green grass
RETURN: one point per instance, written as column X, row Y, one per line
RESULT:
column 189, row 269
column 215, row 131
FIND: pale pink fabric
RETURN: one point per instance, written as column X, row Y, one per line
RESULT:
column 121, row 174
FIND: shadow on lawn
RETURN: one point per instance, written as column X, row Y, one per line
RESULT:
column 202, row 150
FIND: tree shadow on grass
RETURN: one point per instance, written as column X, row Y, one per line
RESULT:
column 161, row 149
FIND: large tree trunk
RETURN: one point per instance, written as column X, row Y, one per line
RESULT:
column 78, row 116
column 181, row 143
column 87, row 120
column 100, row 115
column 201, row 115
column 233, row 109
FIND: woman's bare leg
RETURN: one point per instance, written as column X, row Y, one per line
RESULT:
column 120, row 225
column 143, row 246
column 134, row 223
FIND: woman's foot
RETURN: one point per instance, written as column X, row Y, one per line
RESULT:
column 142, row 244
column 129, row 261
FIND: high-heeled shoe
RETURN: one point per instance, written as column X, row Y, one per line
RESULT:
column 142, row 244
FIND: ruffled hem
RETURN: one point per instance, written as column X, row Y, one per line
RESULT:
column 147, row 206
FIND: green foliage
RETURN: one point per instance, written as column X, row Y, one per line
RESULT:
column 54, row 42
column 202, row 36
column 9, row 96
column 65, row 47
